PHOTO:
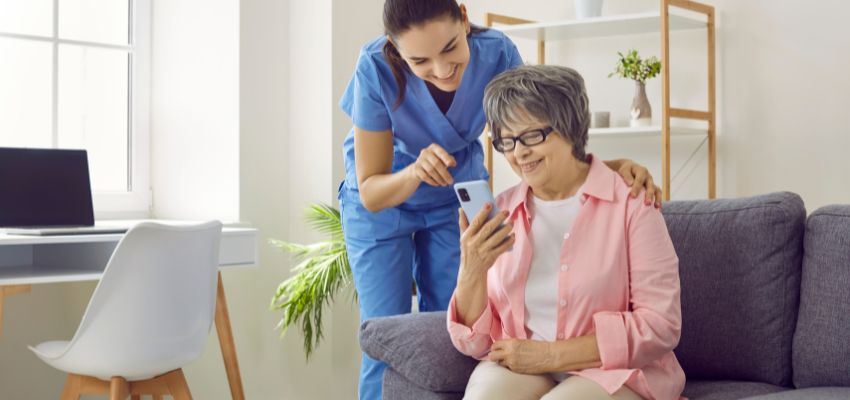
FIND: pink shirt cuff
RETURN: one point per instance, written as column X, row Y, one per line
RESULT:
column 475, row 341
column 611, row 339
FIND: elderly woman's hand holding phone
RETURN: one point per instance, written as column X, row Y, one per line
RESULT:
column 482, row 241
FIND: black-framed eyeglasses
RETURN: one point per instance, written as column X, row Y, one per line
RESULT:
column 529, row 138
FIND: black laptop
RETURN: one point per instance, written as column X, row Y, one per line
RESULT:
column 47, row 192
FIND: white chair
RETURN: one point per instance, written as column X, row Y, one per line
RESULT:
column 149, row 316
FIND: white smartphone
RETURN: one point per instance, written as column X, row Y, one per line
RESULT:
column 472, row 196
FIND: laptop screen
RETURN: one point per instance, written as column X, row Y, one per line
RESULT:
column 44, row 187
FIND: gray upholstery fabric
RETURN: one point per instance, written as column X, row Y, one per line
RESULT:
column 822, row 340
column 824, row 393
column 726, row 390
column 739, row 264
column 397, row 387
column 418, row 347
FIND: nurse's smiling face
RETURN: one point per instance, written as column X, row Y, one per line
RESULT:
column 437, row 51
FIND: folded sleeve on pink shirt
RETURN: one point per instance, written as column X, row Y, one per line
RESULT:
column 652, row 328
column 476, row 341
column 611, row 339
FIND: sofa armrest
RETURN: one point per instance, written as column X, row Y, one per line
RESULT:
column 418, row 347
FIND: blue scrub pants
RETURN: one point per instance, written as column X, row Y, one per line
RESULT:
column 387, row 250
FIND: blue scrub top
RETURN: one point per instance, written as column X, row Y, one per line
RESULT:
column 418, row 121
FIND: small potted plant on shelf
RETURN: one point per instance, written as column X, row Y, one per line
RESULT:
column 322, row 272
column 631, row 66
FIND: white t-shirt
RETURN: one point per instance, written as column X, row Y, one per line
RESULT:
column 552, row 222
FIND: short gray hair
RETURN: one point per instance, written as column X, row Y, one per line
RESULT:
column 550, row 93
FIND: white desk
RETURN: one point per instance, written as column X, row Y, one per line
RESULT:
column 28, row 260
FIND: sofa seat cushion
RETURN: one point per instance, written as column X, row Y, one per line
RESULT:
column 397, row 387
column 727, row 390
column 821, row 344
column 739, row 265
column 821, row 393
column 418, row 347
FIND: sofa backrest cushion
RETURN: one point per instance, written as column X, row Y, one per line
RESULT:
column 822, row 340
column 739, row 264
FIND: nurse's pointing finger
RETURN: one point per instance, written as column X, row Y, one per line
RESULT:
column 444, row 156
column 436, row 170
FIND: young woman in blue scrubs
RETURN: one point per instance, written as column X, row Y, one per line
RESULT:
column 416, row 103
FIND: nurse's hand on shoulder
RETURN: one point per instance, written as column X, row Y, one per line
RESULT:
column 638, row 177
column 483, row 241
column 432, row 166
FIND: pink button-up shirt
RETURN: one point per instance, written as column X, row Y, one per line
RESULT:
column 619, row 279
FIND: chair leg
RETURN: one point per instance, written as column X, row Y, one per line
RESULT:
column 118, row 388
column 157, row 397
column 177, row 385
column 136, row 397
column 73, row 385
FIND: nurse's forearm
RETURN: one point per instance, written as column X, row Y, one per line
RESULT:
column 470, row 297
column 381, row 191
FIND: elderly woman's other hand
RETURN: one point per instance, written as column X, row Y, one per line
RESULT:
column 483, row 241
column 523, row 356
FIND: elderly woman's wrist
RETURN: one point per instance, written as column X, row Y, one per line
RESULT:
column 470, row 276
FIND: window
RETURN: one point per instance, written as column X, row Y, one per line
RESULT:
column 75, row 74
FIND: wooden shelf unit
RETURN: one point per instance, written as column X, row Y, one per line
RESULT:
column 670, row 17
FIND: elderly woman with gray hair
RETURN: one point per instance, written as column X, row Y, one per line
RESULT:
column 572, row 290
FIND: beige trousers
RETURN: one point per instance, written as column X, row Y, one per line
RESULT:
column 490, row 381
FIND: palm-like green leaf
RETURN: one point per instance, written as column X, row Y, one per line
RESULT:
column 322, row 271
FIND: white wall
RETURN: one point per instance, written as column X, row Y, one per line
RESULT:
column 354, row 24
column 293, row 70
column 49, row 312
column 780, row 93
column 195, row 109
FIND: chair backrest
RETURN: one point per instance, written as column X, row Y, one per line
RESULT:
column 152, row 310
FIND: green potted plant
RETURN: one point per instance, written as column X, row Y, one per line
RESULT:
column 321, row 272
column 631, row 66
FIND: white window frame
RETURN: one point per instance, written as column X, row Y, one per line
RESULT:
column 136, row 202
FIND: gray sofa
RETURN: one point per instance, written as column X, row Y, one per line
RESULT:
column 765, row 305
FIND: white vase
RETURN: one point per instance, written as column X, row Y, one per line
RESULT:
column 640, row 111
column 588, row 8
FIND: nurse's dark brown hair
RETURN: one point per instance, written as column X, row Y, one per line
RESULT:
column 401, row 15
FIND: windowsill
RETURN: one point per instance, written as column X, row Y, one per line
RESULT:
column 129, row 205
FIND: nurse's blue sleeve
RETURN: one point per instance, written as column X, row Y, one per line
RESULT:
column 362, row 99
column 514, row 59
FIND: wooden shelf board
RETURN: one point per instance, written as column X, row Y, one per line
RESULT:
column 645, row 131
column 614, row 25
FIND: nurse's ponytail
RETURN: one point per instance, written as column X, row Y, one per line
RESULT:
column 401, row 15
column 399, row 68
